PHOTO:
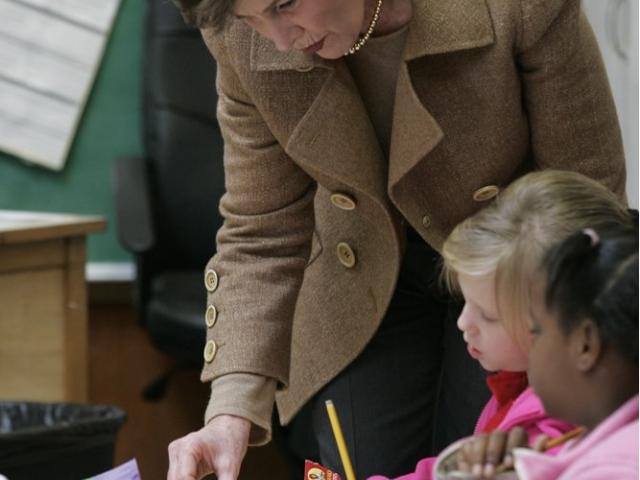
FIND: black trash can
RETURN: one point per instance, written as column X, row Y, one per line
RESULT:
column 57, row 441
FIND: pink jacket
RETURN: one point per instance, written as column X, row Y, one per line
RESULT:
column 610, row 451
column 526, row 412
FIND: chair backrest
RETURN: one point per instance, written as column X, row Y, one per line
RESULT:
column 182, row 139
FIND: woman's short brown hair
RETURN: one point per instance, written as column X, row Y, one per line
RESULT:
column 206, row 13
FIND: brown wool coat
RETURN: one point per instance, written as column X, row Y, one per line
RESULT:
column 489, row 90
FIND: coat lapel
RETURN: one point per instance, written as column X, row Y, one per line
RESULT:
column 334, row 138
column 337, row 138
column 414, row 133
column 436, row 27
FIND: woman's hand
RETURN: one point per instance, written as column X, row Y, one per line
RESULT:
column 483, row 454
column 218, row 447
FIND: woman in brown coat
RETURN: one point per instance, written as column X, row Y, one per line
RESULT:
column 357, row 134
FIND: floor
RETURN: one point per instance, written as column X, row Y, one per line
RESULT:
column 122, row 363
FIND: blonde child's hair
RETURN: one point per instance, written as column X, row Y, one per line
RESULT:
column 509, row 237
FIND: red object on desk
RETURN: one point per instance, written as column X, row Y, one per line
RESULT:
column 315, row 471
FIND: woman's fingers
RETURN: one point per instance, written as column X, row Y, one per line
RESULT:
column 227, row 467
column 182, row 465
column 227, row 472
column 218, row 447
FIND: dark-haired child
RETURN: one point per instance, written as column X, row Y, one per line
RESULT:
column 583, row 362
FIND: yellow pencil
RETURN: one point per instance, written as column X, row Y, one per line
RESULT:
column 554, row 442
column 342, row 446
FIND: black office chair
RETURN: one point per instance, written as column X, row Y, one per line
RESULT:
column 167, row 201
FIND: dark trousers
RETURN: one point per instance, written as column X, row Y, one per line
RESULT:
column 412, row 391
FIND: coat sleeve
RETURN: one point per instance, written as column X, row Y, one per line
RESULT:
column 264, row 243
column 247, row 396
column 573, row 121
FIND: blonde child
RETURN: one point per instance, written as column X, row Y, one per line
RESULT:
column 491, row 258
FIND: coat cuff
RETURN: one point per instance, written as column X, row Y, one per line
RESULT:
column 244, row 395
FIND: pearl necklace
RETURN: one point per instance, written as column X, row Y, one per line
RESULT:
column 362, row 40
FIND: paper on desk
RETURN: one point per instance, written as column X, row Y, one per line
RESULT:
column 126, row 471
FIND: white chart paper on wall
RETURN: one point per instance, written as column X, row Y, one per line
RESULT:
column 50, row 51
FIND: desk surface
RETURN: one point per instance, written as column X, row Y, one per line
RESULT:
column 17, row 226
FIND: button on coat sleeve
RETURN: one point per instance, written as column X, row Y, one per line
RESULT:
column 566, row 92
column 263, row 245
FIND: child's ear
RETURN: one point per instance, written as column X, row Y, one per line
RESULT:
column 586, row 345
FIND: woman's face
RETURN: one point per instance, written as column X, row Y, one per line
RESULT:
column 327, row 28
column 487, row 339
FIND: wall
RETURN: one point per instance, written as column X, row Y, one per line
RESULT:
column 110, row 127
column 615, row 23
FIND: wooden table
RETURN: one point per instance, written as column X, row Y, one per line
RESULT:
column 43, row 305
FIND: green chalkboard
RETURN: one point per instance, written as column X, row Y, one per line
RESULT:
column 110, row 127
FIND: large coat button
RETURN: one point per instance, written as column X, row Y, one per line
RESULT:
column 304, row 68
column 346, row 255
column 485, row 193
column 210, row 350
column 210, row 316
column 426, row 221
column 211, row 280
column 345, row 202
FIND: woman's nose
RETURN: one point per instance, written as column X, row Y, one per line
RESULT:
column 282, row 33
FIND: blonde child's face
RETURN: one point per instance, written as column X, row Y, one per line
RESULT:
column 487, row 339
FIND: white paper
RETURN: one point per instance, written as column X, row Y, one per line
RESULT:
column 49, row 54
column 126, row 471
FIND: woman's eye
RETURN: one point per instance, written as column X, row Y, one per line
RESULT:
column 286, row 5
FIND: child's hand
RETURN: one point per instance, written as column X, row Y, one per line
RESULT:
column 483, row 454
